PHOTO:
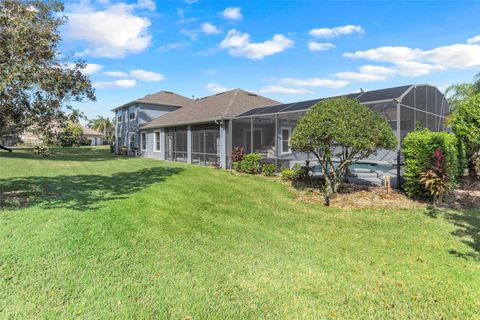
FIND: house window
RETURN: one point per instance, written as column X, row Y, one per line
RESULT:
column 131, row 115
column 285, row 141
column 119, row 119
column 157, row 141
column 144, row 141
column 132, row 140
column 119, row 141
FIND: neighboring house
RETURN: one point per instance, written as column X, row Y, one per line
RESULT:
column 130, row 116
column 95, row 137
column 205, row 131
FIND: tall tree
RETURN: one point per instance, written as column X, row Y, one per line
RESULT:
column 37, row 85
column 340, row 132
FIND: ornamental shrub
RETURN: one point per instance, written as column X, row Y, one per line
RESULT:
column 419, row 150
column 238, row 154
column 287, row 174
column 268, row 169
column 302, row 172
column 249, row 164
column 435, row 179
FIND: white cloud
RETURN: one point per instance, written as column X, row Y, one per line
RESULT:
column 317, row 46
column 174, row 46
column 112, row 33
column 367, row 73
column 416, row 62
column 285, row 90
column 117, row 74
column 232, row 13
column 123, row 83
column 314, row 82
column 92, row 68
column 192, row 34
column 89, row 69
column 216, row 88
column 473, row 40
column 336, row 32
column 208, row 28
column 191, row 1
column 147, row 76
column 238, row 44
column 146, row 4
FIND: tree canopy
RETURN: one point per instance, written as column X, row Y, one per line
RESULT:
column 340, row 132
column 37, row 83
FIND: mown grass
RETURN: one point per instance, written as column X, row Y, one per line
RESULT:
column 85, row 234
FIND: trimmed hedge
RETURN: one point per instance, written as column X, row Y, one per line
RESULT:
column 419, row 148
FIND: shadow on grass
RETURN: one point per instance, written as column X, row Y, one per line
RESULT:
column 467, row 223
column 78, row 192
column 62, row 154
column 468, row 230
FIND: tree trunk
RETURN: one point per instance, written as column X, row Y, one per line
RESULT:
column 5, row 148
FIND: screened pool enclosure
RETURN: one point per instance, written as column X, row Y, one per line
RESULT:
column 210, row 140
column 267, row 130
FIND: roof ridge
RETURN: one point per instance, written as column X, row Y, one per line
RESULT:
column 227, row 110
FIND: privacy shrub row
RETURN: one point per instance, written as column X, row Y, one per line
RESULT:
column 419, row 150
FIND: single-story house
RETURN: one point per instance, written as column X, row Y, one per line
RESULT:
column 95, row 137
column 204, row 131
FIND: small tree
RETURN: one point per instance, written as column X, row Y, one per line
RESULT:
column 465, row 122
column 340, row 132
column 72, row 136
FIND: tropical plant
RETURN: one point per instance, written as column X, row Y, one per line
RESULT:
column 458, row 93
column 340, row 132
column 105, row 126
column 436, row 179
column 37, row 83
column 238, row 154
column 418, row 148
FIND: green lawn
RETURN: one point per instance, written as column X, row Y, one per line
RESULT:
column 84, row 234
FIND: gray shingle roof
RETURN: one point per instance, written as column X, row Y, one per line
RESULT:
column 161, row 98
column 224, row 105
column 90, row 132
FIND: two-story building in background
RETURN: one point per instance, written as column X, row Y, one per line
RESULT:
column 130, row 116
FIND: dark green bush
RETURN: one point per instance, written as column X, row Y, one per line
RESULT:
column 249, row 164
column 268, row 169
column 419, row 150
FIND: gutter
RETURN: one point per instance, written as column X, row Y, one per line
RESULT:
column 200, row 121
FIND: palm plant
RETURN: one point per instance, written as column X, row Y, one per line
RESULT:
column 105, row 126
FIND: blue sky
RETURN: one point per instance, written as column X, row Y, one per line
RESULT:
column 285, row 50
